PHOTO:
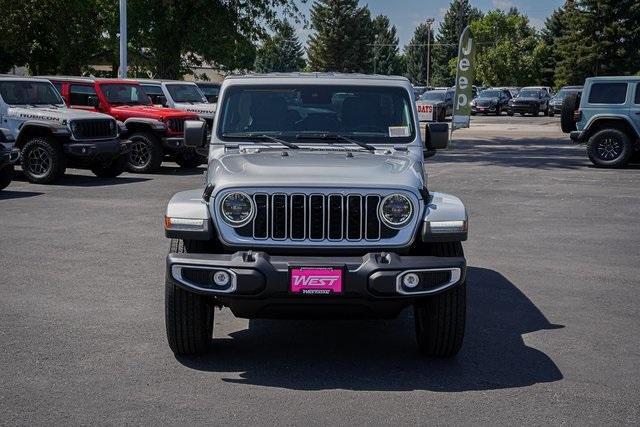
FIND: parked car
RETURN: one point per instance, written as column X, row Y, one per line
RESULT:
column 605, row 117
column 435, row 105
column 316, row 205
column 491, row 101
column 8, row 157
column 530, row 101
column 210, row 90
column 185, row 96
column 548, row 90
column 52, row 137
column 154, row 132
column 556, row 100
column 419, row 90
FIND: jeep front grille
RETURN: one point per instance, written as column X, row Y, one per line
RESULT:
column 176, row 125
column 332, row 217
column 94, row 129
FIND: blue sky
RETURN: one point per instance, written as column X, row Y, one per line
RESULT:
column 407, row 14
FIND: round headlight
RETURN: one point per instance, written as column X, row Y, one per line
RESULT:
column 237, row 209
column 395, row 210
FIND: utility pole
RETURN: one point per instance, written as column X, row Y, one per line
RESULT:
column 123, row 39
column 429, row 24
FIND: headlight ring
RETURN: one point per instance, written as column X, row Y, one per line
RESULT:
column 395, row 210
column 237, row 209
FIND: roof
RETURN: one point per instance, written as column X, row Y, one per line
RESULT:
column 617, row 78
column 160, row 81
column 77, row 79
column 335, row 76
column 10, row 77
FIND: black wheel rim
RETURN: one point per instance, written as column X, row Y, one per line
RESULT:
column 609, row 148
column 38, row 162
column 140, row 154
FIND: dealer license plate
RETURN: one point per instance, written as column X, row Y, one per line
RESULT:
column 315, row 280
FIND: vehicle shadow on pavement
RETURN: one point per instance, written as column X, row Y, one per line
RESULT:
column 180, row 171
column 542, row 153
column 9, row 194
column 381, row 355
column 71, row 180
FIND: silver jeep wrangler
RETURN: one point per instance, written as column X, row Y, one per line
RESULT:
column 316, row 204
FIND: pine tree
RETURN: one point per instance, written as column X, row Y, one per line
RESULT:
column 416, row 54
column 552, row 31
column 385, row 47
column 343, row 37
column 281, row 52
column 458, row 16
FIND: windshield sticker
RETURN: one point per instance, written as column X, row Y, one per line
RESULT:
column 398, row 131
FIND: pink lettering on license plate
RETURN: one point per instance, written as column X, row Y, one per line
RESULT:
column 316, row 281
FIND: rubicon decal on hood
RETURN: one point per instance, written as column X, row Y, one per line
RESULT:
column 39, row 116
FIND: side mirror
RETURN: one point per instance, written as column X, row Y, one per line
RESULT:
column 93, row 101
column 162, row 100
column 195, row 133
column 437, row 136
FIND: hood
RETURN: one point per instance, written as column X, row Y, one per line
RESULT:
column 486, row 100
column 150, row 112
column 305, row 168
column 203, row 109
column 527, row 99
column 429, row 102
column 53, row 114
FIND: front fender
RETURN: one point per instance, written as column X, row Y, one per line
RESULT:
column 187, row 217
column 51, row 128
column 445, row 219
column 155, row 125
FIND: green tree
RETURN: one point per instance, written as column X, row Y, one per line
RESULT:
column 342, row 37
column 509, row 49
column 600, row 37
column 458, row 16
column 281, row 52
column 385, row 47
column 415, row 54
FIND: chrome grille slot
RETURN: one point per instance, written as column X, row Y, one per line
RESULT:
column 354, row 217
column 335, row 222
column 261, row 221
column 372, row 224
column 316, row 217
column 279, row 216
column 297, row 221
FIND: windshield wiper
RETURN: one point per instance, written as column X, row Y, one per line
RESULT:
column 260, row 136
column 335, row 137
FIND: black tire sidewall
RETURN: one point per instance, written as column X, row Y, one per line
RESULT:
column 155, row 150
column 6, row 175
column 618, row 162
column 55, row 154
column 110, row 169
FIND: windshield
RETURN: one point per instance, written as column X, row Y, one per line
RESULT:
column 433, row 95
column 185, row 93
column 128, row 94
column 29, row 93
column 529, row 94
column 490, row 94
column 369, row 114
column 209, row 90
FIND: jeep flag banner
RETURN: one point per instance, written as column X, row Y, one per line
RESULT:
column 464, row 81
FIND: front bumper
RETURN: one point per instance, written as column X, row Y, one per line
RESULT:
column 9, row 157
column 371, row 284
column 173, row 142
column 483, row 108
column 109, row 148
column 525, row 108
column 577, row 136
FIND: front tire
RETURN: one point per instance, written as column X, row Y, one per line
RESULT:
column 440, row 319
column 188, row 159
column 145, row 153
column 188, row 316
column 610, row 148
column 43, row 161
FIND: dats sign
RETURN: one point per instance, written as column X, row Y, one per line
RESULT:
column 464, row 81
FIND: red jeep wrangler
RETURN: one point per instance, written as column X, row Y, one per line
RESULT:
column 154, row 132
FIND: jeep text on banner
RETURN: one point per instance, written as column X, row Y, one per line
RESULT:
column 464, row 81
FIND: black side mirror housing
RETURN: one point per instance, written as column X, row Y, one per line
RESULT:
column 195, row 133
column 162, row 100
column 436, row 138
column 93, row 101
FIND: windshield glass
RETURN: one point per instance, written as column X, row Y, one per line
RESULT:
column 129, row 94
column 369, row 114
column 185, row 93
column 29, row 93
column 433, row 95
column 490, row 94
column 209, row 90
column 529, row 94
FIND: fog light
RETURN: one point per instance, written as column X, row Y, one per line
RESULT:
column 221, row 278
column 410, row 280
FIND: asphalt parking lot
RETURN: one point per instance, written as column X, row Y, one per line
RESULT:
column 552, row 334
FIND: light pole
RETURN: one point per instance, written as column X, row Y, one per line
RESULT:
column 429, row 24
column 123, row 40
